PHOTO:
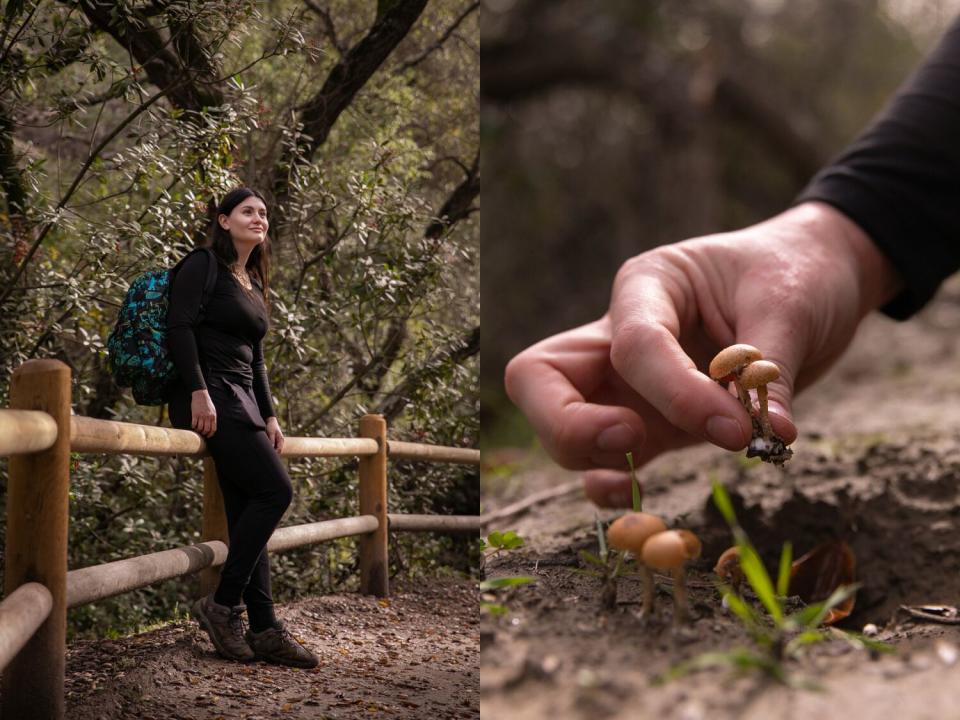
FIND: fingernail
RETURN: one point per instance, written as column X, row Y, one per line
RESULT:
column 725, row 431
column 617, row 438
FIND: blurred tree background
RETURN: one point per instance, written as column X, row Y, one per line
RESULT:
column 613, row 127
column 121, row 126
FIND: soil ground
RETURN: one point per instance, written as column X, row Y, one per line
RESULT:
column 877, row 464
column 410, row 656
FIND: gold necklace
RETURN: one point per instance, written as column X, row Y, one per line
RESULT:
column 243, row 278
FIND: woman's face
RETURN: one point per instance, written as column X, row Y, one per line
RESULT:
column 247, row 222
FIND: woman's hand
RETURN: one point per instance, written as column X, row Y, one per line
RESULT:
column 203, row 413
column 795, row 286
column 274, row 433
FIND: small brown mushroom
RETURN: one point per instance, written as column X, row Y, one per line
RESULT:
column 631, row 532
column 756, row 376
column 728, row 568
column 728, row 364
column 671, row 550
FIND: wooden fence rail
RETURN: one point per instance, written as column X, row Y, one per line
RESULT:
column 38, row 432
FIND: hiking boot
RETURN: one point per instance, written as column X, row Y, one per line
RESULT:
column 278, row 646
column 224, row 625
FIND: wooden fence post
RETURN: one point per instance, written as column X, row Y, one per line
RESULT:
column 214, row 523
column 373, row 501
column 36, row 544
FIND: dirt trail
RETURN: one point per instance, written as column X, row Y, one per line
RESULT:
column 411, row 656
column 877, row 464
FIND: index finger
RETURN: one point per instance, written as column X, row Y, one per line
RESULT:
column 646, row 352
column 551, row 381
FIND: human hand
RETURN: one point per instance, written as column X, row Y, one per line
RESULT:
column 203, row 413
column 795, row 286
column 274, row 433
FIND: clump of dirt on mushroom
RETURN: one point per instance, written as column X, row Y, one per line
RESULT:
column 744, row 365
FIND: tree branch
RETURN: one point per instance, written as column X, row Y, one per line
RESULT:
column 359, row 375
column 459, row 204
column 348, row 76
column 76, row 182
column 164, row 68
column 398, row 398
column 413, row 62
column 331, row 30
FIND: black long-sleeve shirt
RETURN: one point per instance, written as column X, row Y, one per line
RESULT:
column 900, row 180
column 227, row 342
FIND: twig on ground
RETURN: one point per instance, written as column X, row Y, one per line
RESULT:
column 521, row 506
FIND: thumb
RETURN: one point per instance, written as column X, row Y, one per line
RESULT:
column 781, row 347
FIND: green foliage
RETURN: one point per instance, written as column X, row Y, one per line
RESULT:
column 779, row 636
column 635, row 493
column 495, row 544
column 503, row 541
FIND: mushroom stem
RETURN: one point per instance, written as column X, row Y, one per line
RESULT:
column 681, row 612
column 744, row 396
column 764, row 417
column 649, row 591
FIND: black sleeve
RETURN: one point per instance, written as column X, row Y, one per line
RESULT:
column 900, row 180
column 261, row 388
column 186, row 292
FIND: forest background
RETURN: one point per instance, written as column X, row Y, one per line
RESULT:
column 614, row 127
column 121, row 125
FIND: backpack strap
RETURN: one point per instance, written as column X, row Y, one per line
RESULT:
column 211, row 275
column 211, row 278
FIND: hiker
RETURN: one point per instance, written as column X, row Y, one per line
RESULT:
column 223, row 394
column 878, row 228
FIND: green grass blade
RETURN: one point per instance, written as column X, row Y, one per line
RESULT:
column 601, row 537
column 635, row 495
column 743, row 611
column 722, row 500
column 502, row 582
column 589, row 557
column 493, row 608
column 783, row 577
column 813, row 614
column 836, row 597
column 760, row 581
column 859, row 640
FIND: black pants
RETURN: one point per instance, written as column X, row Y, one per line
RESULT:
column 256, row 492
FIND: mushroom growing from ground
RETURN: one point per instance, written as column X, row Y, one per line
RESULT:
column 729, row 363
column 631, row 532
column 672, row 550
column 728, row 568
column 757, row 375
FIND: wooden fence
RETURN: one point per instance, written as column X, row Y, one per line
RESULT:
column 38, row 432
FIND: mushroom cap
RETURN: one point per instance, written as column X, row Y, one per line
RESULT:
column 759, row 373
column 731, row 359
column 728, row 566
column 671, row 549
column 630, row 531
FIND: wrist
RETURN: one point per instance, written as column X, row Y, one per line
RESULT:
column 201, row 391
column 878, row 280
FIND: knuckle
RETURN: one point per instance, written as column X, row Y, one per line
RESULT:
column 630, row 338
column 515, row 372
column 682, row 405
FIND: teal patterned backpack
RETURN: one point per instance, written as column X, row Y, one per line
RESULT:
column 137, row 354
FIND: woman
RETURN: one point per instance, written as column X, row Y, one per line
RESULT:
column 223, row 394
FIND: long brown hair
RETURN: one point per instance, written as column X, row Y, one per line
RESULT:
column 258, row 264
